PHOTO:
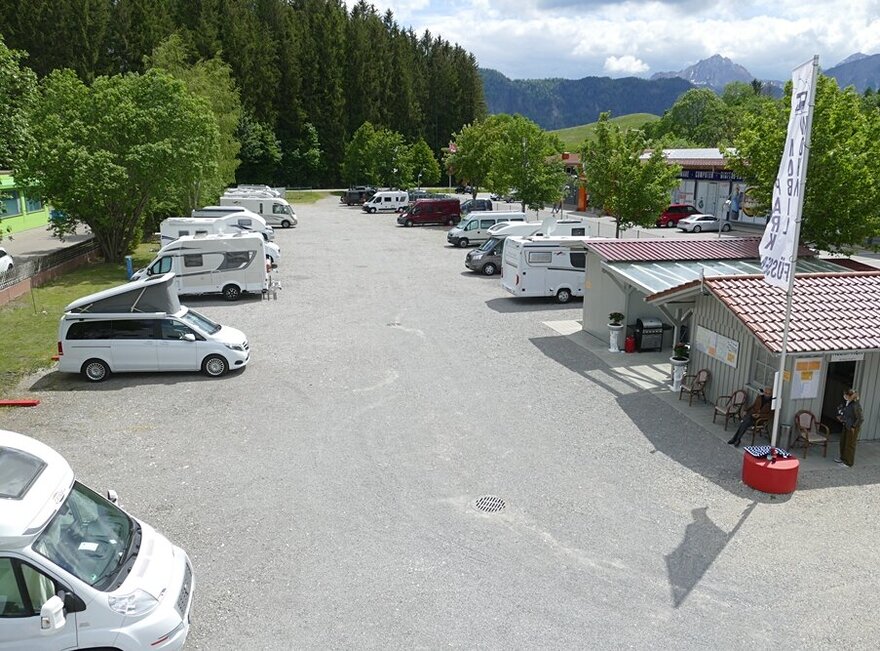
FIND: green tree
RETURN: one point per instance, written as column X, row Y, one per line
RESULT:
column 390, row 163
column 301, row 160
column 633, row 190
column 17, row 91
column 698, row 117
column 357, row 166
column 211, row 80
column 472, row 159
column 526, row 157
column 260, row 151
column 842, row 194
column 104, row 154
column 423, row 163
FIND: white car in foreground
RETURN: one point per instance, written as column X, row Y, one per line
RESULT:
column 5, row 261
column 699, row 223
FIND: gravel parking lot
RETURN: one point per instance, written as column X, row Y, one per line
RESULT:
column 326, row 494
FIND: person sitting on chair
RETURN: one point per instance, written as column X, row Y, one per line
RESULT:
column 762, row 407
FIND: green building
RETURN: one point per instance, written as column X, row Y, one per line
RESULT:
column 19, row 212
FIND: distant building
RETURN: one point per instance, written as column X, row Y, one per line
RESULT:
column 19, row 212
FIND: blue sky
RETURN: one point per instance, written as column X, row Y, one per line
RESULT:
column 527, row 39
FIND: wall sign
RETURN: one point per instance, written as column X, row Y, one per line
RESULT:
column 805, row 384
column 717, row 346
column 846, row 357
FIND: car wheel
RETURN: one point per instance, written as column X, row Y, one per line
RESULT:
column 563, row 296
column 489, row 269
column 372, row 211
column 285, row 223
column 463, row 242
column 215, row 365
column 450, row 222
column 725, row 228
column 95, row 370
column 697, row 229
column 231, row 292
column 408, row 223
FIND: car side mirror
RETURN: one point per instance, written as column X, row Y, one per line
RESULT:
column 189, row 336
column 112, row 497
column 52, row 617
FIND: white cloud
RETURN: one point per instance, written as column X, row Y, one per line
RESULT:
column 626, row 64
column 577, row 38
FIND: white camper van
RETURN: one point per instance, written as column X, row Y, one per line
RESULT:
column 387, row 201
column 474, row 228
column 76, row 570
column 274, row 210
column 173, row 228
column 237, row 217
column 213, row 264
column 544, row 266
column 141, row 326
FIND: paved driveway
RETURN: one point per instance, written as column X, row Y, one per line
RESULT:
column 327, row 493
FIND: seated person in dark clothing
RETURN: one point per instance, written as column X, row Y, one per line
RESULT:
column 762, row 407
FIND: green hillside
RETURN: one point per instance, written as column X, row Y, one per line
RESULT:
column 573, row 137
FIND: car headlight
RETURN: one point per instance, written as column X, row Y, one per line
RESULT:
column 135, row 603
column 237, row 347
column 477, row 256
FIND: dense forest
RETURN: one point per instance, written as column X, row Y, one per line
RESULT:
column 309, row 72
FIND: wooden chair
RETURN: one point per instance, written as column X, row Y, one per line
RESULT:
column 694, row 385
column 761, row 427
column 731, row 406
column 810, row 431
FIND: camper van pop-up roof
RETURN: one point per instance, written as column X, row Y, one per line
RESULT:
column 149, row 295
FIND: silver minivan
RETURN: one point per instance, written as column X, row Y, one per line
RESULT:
column 474, row 229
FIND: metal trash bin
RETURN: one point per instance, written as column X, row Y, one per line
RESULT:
column 649, row 334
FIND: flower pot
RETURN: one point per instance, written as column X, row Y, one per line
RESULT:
column 614, row 337
column 679, row 368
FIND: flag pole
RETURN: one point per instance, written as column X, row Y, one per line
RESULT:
column 779, row 378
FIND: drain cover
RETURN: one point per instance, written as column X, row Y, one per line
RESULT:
column 490, row 504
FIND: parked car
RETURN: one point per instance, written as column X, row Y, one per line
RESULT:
column 469, row 205
column 357, row 195
column 698, row 223
column 6, row 263
column 431, row 211
column 674, row 212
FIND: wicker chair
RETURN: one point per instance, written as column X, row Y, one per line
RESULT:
column 810, row 431
column 695, row 385
column 731, row 407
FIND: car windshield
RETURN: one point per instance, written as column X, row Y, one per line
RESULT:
column 90, row 538
column 200, row 321
column 488, row 245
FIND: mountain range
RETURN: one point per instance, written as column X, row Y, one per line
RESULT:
column 560, row 103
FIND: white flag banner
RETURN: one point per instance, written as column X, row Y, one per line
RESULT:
column 779, row 243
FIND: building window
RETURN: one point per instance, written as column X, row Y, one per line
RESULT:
column 9, row 203
column 32, row 205
column 763, row 368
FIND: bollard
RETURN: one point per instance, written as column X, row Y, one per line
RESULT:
column 129, row 268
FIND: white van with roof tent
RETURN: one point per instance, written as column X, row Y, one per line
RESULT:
column 142, row 327
column 76, row 570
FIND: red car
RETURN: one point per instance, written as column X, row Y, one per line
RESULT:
column 669, row 217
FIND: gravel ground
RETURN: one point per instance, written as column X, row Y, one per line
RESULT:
column 326, row 494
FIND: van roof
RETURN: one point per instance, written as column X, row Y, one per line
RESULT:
column 34, row 480
column 150, row 294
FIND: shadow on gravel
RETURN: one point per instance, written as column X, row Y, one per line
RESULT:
column 507, row 305
column 57, row 381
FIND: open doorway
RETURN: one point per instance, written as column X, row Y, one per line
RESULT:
column 840, row 377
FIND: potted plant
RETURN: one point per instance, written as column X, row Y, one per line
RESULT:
column 615, row 325
column 679, row 360
column 681, row 351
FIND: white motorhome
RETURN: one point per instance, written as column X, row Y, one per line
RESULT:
column 474, row 228
column 141, row 326
column 213, row 264
column 76, row 570
column 387, row 201
column 237, row 217
column 247, row 188
column 274, row 210
column 174, row 228
column 544, row 266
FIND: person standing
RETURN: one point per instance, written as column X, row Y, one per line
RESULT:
column 761, row 408
column 852, row 423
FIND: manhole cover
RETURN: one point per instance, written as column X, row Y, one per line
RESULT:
column 490, row 504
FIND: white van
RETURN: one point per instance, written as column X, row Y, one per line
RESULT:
column 174, row 228
column 544, row 266
column 274, row 210
column 76, row 570
column 141, row 326
column 387, row 201
column 213, row 264
column 474, row 228
column 237, row 216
